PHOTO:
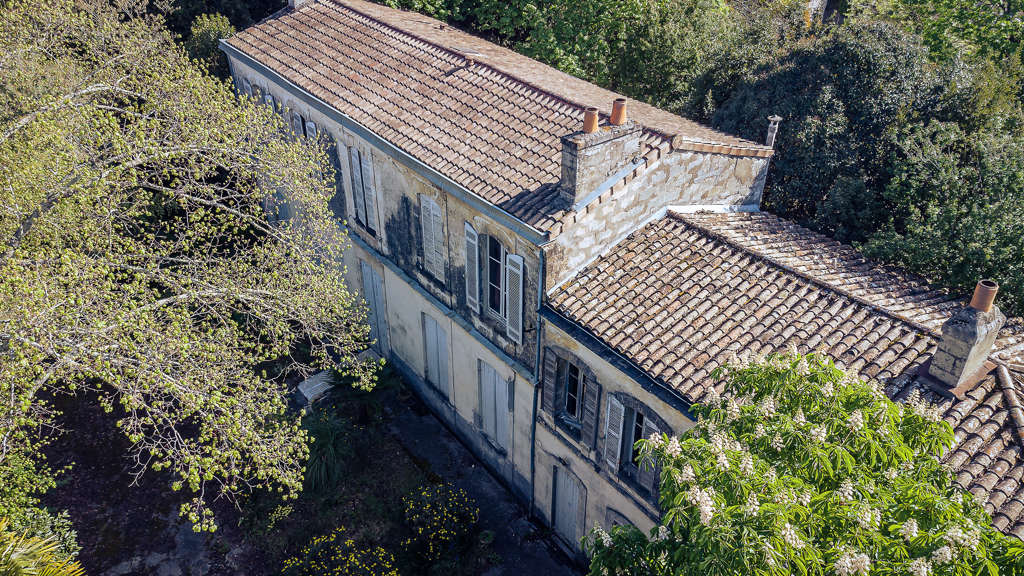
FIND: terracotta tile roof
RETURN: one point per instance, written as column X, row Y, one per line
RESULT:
column 482, row 115
column 679, row 296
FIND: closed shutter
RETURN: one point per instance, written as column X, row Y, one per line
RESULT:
column 427, row 230
column 369, row 191
column 591, row 397
column 565, row 504
column 514, row 297
column 444, row 380
column 357, row 184
column 613, row 432
column 257, row 93
column 297, row 124
column 337, row 203
column 430, row 346
column 383, row 345
column 488, row 418
column 472, row 269
column 368, row 296
column 437, row 225
column 246, row 88
column 311, row 131
column 649, row 473
column 550, row 375
column 581, row 511
column 504, row 399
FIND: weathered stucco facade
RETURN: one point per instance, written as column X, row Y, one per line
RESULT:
column 457, row 241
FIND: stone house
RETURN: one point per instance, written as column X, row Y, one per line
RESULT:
column 558, row 270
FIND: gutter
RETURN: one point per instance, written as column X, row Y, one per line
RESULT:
column 524, row 230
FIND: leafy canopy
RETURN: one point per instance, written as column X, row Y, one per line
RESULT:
column 144, row 257
column 801, row 469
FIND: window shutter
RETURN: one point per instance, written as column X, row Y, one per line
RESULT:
column 297, row 124
column 427, row 230
column 369, row 190
column 246, row 88
column 649, row 473
column 550, row 374
column 487, row 403
column 337, row 203
column 581, row 509
column 444, row 381
column 268, row 98
column 472, row 269
column 613, row 432
column 504, row 392
column 311, row 131
column 591, row 395
column 382, row 323
column 514, row 296
column 437, row 246
column 357, row 184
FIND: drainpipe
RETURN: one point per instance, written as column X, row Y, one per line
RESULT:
column 537, row 371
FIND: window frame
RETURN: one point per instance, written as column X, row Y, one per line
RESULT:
column 363, row 222
column 565, row 377
column 502, row 310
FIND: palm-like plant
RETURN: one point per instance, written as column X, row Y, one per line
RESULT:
column 23, row 555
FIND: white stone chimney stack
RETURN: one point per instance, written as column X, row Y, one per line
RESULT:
column 598, row 155
column 967, row 340
column 296, row 4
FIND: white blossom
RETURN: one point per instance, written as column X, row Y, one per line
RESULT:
column 920, row 567
column 759, row 431
column 687, row 474
column 963, row 538
column 672, row 447
column 771, row 476
column 732, row 410
column 957, row 498
column 852, row 563
column 713, row 398
column 704, row 500
column 662, row 533
column 746, row 465
column 792, row 349
column 777, row 442
column 753, row 506
column 868, row 518
column 802, row 368
column 818, row 434
column 845, row 491
column 655, row 440
column 602, row 535
column 943, row 555
column 805, row 498
column 856, row 421
column 768, row 407
column 890, row 474
column 790, row 537
column 723, row 461
column 799, row 417
column 909, row 529
column 827, row 390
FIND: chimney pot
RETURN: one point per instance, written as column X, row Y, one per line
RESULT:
column 773, row 129
column 590, row 120
column 619, row 114
column 984, row 295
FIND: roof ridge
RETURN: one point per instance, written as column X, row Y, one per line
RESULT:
column 885, row 311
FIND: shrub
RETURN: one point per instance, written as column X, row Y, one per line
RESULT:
column 441, row 518
column 330, row 449
column 334, row 554
column 204, row 39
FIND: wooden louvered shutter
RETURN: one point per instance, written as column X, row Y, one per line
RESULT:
column 311, row 131
column 337, row 203
column 437, row 246
column 514, row 297
column 445, row 381
column 297, row 124
column 591, row 396
column 581, row 510
column 472, row 269
column 357, row 184
column 504, row 397
column 488, row 406
column 369, row 191
column 427, row 230
column 649, row 474
column 613, row 432
column 549, row 376
column 268, row 98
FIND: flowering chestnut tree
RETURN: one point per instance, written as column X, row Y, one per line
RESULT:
column 799, row 468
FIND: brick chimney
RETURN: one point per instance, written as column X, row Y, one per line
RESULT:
column 598, row 155
column 967, row 340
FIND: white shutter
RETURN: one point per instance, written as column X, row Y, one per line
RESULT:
column 565, row 515
column 368, row 296
column 613, row 432
column 503, row 402
column 472, row 269
column 514, row 297
column 379, row 304
column 437, row 246
column 311, row 129
column 357, row 184
column 370, row 191
column 487, row 400
column 443, row 379
column 430, row 344
column 427, row 207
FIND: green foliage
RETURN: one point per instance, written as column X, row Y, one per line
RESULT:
column 24, row 555
column 956, row 204
column 801, row 469
column 203, row 42
column 182, row 14
column 336, row 555
column 137, row 259
column 442, row 519
column 330, row 450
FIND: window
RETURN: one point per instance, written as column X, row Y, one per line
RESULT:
column 627, row 421
column 472, row 268
column 363, row 193
column 571, row 378
column 435, row 341
column 495, row 276
column 496, row 401
column 431, row 225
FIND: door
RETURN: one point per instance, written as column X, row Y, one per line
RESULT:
column 376, row 316
column 435, row 341
column 569, row 506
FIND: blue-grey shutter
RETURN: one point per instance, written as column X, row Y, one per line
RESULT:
column 514, row 297
column 357, row 184
column 550, row 374
column 591, row 395
column 504, row 400
column 472, row 269
column 613, row 423
column 370, row 190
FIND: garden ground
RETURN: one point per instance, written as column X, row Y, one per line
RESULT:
column 391, row 445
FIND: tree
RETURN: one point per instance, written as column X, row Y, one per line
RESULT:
column 166, row 246
column 203, row 42
column 21, row 554
column 801, row 469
